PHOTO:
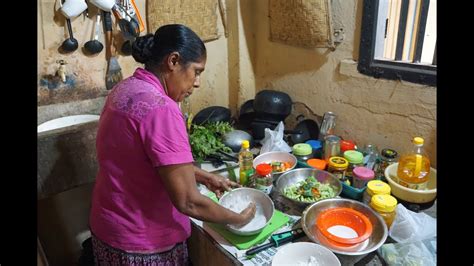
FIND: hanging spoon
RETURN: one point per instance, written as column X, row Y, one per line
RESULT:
column 70, row 44
column 94, row 46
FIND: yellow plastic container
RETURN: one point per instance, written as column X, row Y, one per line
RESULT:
column 375, row 187
column 386, row 206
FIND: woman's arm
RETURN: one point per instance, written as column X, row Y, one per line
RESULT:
column 180, row 182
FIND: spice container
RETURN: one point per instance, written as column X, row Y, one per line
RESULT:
column 262, row 179
column 337, row 166
column 386, row 206
column 361, row 175
column 302, row 151
column 375, row 187
column 355, row 159
column 331, row 147
column 347, row 145
column 317, row 163
column 317, row 147
column 387, row 157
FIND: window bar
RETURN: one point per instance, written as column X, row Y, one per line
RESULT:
column 421, row 30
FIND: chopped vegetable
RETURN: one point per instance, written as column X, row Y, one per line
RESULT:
column 309, row 190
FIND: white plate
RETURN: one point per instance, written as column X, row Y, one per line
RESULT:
column 302, row 253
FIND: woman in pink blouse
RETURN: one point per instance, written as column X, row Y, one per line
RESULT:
column 146, row 189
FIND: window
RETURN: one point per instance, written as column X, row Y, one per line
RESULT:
column 398, row 40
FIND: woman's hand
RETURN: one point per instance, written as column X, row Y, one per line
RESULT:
column 218, row 184
column 247, row 214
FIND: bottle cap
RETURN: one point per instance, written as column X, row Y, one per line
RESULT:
column 389, row 153
column 347, row 145
column 418, row 141
column 338, row 162
column 302, row 149
column 245, row 144
column 355, row 157
column 363, row 173
column 378, row 187
column 264, row 169
column 315, row 144
column 317, row 163
column 383, row 203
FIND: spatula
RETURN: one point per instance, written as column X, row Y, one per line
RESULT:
column 114, row 71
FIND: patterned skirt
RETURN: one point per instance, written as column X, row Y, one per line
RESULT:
column 105, row 255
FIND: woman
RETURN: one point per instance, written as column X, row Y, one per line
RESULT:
column 146, row 185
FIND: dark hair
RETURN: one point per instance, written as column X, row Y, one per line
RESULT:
column 152, row 49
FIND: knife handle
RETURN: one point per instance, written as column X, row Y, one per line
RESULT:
column 256, row 250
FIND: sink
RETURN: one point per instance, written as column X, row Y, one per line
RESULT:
column 66, row 122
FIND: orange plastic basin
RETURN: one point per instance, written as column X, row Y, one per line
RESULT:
column 348, row 217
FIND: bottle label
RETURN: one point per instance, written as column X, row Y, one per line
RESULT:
column 244, row 176
column 263, row 188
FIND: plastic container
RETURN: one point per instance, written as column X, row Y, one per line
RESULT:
column 351, row 192
column 361, row 176
column 317, row 147
column 317, row 163
column 375, row 187
column 337, row 166
column 245, row 163
column 262, row 179
column 302, row 151
column 386, row 206
column 355, row 159
column 414, row 167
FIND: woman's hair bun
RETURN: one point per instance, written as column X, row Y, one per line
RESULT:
column 142, row 48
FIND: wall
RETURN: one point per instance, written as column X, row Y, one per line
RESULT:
column 369, row 110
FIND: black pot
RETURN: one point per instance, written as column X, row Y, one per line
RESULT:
column 309, row 130
column 246, row 115
column 212, row 114
column 272, row 105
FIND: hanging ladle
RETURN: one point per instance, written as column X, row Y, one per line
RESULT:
column 70, row 44
column 94, row 46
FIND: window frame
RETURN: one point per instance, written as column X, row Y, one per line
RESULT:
column 393, row 70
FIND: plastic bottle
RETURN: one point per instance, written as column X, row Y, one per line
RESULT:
column 414, row 167
column 246, row 163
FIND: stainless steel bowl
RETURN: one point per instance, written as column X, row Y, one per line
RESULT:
column 275, row 156
column 376, row 239
column 296, row 175
column 243, row 196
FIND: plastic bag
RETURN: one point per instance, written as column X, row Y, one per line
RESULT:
column 419, row 253
column 410, row 226
column 273, row 140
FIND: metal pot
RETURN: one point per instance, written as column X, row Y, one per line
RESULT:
column 234, row 139
column 272, row 105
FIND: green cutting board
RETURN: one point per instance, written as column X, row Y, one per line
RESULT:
column 245, row 242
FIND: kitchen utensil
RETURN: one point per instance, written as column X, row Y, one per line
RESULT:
column 114, row 72
column 309, row 130
column 238, row 199
column 294, row 176
column 408, row 194
column 128, row 24
column 105, row 5
column 228, row 156
column 246, row 115
column 275, row 156
column 94, row 46
column 305, row 253
column 272, row 105
column 224, row 169
column 245, row 242
column 70, row 44
column 376, row 239
column 327, row 125
column 72, row 8
column 212, row 114
column 234, row 139
column 278, row 240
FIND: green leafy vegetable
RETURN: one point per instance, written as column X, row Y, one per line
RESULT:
column 207, row 139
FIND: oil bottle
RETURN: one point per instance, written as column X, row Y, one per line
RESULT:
column 245, row 163
column 414, row 167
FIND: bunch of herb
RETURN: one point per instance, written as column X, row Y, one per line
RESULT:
column 206, row 139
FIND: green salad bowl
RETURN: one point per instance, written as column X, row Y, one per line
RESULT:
column 292, row 177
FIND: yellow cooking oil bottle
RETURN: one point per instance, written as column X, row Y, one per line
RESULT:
column 245, row 163
column 414, row 167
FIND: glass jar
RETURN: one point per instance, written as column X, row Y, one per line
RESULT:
column 337, row 166
column 387, row 157
column 361, row 176
column 302, row 151
column 355, row 159
column 317, row 163
column 317, row 147
column 331, row 147
column 375, row 187
column 262, row 179
column 386, row 206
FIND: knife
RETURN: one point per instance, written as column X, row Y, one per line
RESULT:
column 277, row 240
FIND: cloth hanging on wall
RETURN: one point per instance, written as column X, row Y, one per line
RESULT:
column 306, row 23
column 200, row 16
